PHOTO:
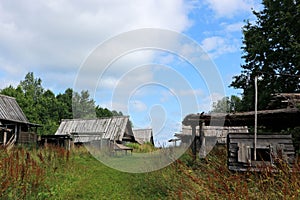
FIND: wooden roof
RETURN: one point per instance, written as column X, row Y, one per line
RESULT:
column 11, row 111
column 113, row 128
column 143, row 135
column 284, row 100
column 275, row 119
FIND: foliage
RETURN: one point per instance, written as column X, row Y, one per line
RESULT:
column 83, row 105
column 227, row 105
column 271, row 47
column 43, row 107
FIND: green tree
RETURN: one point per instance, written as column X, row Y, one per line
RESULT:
column 271, row 49
column 103, row 112
column 43, row 107
column 227, row 105
column 83, row 106
column 65, row 104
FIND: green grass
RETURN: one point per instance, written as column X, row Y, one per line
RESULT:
column 54, row 173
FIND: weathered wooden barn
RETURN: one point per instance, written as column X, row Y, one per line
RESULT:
column 14, row 126
column 143, row 135
column 113, row 131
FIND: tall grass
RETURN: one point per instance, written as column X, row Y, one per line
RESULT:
column 211, row 179
column 23, row 172
column 54, row 173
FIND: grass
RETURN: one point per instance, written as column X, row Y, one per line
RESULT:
column 54, row 173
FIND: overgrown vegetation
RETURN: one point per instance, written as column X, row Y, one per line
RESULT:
column 54, row 173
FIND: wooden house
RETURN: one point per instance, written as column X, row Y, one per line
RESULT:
column 143, row 135
column 14, row 126
column 105, row 131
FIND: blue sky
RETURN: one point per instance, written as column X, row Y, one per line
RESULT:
column 55, row 40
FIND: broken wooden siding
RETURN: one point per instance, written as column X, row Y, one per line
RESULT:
column 27, row 138
column 269, row 148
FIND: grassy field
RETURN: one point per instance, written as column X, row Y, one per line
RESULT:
column 54, row 173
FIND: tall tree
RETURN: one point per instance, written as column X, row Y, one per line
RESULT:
column 83, row 106
column 271, row 49
column 227, row 105
column 65, row 104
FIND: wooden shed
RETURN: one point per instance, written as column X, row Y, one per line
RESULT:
column 15, row 127
column 143, row 135
column 107, row 131
column 241, row 145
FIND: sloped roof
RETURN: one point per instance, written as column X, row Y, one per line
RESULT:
column 112, row 128
column 143, row 135
column 11, row 111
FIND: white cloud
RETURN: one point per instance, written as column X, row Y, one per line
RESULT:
column 230, row 8
column 57, row 35
column 234, row 27
column 216, row 46
column 138, row 106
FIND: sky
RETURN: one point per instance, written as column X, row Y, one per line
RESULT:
column 155, row 60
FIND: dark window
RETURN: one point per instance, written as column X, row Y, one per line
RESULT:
column 261, row 154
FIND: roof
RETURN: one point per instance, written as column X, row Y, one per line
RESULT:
column 113, row 128
column 10, row 110
column 275, row 119
column 143, row 135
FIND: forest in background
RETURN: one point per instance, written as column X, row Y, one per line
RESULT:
column 43, row 107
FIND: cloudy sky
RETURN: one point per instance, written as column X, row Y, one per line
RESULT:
column 156, row 86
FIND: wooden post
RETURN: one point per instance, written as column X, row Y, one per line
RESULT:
column 194, row 145
column 4, row 138
column 255, row 119
column 202, row 151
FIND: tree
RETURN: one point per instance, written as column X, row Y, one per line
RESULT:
column 83, row 106
column 43, row 107
column 103, row 112
column 65, row 104
column 32, row 86
column 271, row 50
column 227, row 105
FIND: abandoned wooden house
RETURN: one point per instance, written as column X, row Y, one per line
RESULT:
column 274, row 120
column 143, row 136
column 113, row 132
column 14, row 126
